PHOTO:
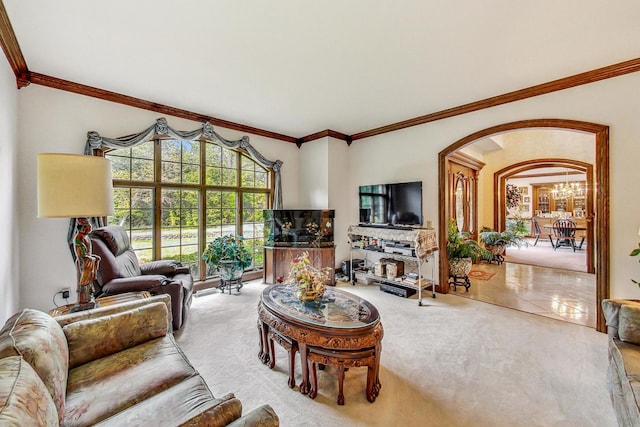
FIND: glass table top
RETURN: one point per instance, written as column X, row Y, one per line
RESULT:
column 336, row 308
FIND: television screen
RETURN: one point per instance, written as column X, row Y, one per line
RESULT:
column 391, row 204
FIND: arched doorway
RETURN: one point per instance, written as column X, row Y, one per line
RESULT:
column 601, row 194
column 499, row 182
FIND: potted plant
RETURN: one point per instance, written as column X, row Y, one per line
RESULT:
column 462, row 251
column 635, row 252
column 229, row 256
column 498, row 241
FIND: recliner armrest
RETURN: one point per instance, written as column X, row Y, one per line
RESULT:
column 135, row 283
column 165, row 267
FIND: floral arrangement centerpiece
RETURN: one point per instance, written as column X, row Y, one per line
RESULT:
column 308, row 280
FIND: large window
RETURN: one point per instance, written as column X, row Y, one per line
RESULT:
column 174, row 197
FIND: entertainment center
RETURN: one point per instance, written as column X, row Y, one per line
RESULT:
column 396, row 246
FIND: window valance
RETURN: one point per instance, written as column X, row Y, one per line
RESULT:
column 161, row 130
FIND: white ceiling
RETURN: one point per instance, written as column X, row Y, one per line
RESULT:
column 298, row 67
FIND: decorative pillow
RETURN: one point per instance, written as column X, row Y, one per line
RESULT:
column 95, row 338
column 40, row 341
column 629, row 323
column 24, row 399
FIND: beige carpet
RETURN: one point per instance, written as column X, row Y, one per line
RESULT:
column 451, row 362
column 543, row 255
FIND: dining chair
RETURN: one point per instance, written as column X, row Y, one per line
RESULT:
column 536, row 230
column 564, row 232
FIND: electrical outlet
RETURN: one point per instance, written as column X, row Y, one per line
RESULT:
column 65, row 292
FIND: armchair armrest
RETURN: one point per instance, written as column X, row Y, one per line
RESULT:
column 66, row 319
column 165, row 267
column 611, row 311
column 263, row 416
column 95, row 338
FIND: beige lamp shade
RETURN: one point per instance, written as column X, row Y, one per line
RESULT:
column 74, row 186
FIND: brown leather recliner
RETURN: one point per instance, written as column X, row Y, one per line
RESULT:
column 120, row 272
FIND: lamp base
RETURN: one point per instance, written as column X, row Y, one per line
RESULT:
column 85, row 306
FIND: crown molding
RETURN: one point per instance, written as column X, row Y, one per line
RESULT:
column 57, row 83
column 12, row 50
column 323, row 134
column 592, row 76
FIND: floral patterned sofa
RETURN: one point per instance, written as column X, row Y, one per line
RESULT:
column 116, row 365
column 623, row 375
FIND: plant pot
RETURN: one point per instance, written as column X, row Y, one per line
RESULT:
column 496, row 249
column 498, row 253
column 460, row 267
column 229, row 270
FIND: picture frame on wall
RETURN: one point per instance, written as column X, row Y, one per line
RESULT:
column 526, row 199
column 523, row 190
column 525, row 207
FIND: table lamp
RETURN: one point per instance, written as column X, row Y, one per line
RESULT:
column 76, row 186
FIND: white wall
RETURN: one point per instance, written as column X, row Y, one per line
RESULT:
column 339, row 195
column 9, row 261
column 412, row 153
column 314, row 175
column 324, row 177
column 520, row 146
column 57, row 121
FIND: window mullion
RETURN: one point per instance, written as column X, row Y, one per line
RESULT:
column 202, row 216
column 239, row 193
column 157, row 200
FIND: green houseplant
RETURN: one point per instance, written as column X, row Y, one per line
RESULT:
column 498, row 241
column 462, row 251
column 228, row 255
column 635, row 252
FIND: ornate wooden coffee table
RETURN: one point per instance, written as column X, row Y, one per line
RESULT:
column 341, row 330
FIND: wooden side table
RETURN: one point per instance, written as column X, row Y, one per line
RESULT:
column 103, row 302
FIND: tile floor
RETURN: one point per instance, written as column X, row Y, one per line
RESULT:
column 550, row 292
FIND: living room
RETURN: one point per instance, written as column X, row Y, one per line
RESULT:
column 324, row 172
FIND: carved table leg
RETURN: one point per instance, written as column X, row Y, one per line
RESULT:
column 272, row 354
column 292, row 364
column 304, row 356
column 263, row 354
column 340, row 385
column 377, row 386
column 313, row 390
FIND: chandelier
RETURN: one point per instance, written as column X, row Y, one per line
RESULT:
column 567, row 191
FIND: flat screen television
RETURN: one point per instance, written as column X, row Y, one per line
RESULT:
column 397, row 204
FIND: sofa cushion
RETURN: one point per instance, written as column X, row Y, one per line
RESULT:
column 178, row 405
column 96, row 338
column 24, row 399
column 629, row 323
column 106, row 386
column 39, row 340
